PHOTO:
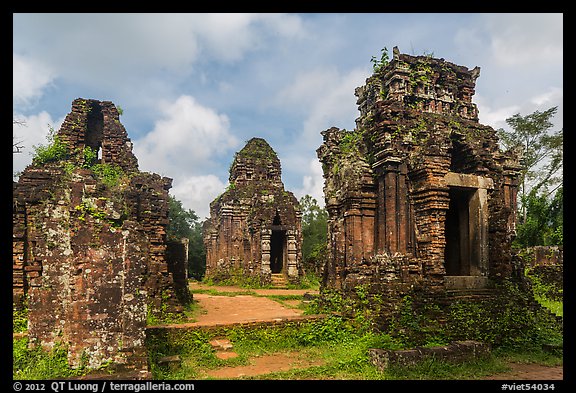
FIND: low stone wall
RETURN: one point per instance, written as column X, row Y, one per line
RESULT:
column 457, row 351
column 545, row 255
column 547, row 264
column 256, row 324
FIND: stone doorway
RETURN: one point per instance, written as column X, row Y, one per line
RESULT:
column 466, row 231
column 277, row 251
column 457, row 254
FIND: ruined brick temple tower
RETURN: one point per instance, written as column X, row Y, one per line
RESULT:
column 89, row 244
column 255, row 226
column 419, row 194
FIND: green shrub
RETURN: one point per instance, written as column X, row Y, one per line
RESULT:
column 54, row 151
column 511, row 320
column 109, row 174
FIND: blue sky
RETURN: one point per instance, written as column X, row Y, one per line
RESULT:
column 195, row 87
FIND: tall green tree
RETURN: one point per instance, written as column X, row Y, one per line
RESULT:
column 540, row 220
column 184, row 223
column 314, row 233
column 180, row 220
column 544, row 221
column 541, row 153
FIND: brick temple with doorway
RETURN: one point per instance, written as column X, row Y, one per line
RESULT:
column 419, row 194
column 254, row 230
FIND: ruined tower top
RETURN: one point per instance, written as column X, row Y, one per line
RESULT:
column 96, row 125
column 422, row 83
column 256, row 162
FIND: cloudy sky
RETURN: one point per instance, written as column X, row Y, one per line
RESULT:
column 195, row 87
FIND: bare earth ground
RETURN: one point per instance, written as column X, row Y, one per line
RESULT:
column 239, row 308
column 247, row 308
column 265, row 364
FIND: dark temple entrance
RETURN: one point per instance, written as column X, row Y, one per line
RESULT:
column 457, row 254
column 277, row 245
column 466, row 231
column 277, row 250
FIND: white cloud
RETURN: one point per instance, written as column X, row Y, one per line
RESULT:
column 313, row 184
column 92, row 44
column 196, row 193
column 541, row 101
column 494, row 117
column 115, row 48
column 29, row 79
column 328, row 98
column 229, row 36
column 32, row 133
column 526, row 38
column 551, row 97
column 185, row 140
column 184, row 143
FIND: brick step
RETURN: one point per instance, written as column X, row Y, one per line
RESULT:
column 278, row 280
column 468, row 294
column 223, row 348
column 484, row 292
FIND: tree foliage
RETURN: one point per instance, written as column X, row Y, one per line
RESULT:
column 541, row 150
column 544, row 220
column 314, row 232
column 541, row 177
column 378, row 64
column 184, row 223
column 54, row 151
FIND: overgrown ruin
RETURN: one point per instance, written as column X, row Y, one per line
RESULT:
column 89, row 244
column 421, row 200
column 419, row 195
column 255, row 227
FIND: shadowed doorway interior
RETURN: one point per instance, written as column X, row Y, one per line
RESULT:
column 458, row 248
column 277, row 245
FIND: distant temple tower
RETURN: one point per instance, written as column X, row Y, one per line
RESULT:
column 419, row 195
column 255, row 226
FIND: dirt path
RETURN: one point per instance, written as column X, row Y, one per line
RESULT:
column 265, row 364
column 249, row 308
column 225, row 310
column 530, row 372
column 241, row 308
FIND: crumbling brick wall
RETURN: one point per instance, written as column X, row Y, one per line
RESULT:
column 89, row 251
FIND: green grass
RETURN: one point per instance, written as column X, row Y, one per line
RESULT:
column 555, row 306
column 38, row 364
column 432, row 369
column 341, row 346
column 216, row 292
column 541, row 291
column 238, row 279
column 276, row 297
